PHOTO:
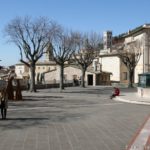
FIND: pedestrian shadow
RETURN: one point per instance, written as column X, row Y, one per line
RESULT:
column 24, row 119
column 21, row 123
column 26, row 122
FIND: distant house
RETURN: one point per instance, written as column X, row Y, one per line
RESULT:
column 111, row 62
column 22, row 70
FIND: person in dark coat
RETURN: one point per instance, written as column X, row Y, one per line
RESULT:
column 4, row 102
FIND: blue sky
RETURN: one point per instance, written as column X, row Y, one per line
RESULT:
column 82, row 15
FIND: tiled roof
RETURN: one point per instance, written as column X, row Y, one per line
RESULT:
column 40, row 63
column 133, row 31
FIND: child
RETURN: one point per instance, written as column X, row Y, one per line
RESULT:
column 4, row 105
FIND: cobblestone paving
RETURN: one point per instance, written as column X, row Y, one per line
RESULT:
column 75, row 119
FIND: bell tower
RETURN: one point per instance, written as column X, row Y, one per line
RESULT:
column 49, row 53
column 107, row 39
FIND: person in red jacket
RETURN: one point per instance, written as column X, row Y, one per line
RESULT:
column 115, row 93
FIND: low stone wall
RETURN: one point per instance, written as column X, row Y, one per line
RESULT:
column 45, row 86
column 143, row 92
column 55, row 85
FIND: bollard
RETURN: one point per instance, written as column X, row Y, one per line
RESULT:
column 142, row 92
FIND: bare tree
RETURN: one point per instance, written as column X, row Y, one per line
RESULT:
column 88, row 49
column 130, row 54
column 63, row 48
column 32, row 38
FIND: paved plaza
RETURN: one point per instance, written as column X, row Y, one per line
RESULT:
column 75, row 119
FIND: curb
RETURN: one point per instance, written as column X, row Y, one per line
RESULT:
column 141, row 140
column 131, row 101
column 147, row 146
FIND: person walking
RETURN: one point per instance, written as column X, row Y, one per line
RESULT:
column 4, row 102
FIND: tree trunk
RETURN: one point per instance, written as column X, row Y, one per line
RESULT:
column 83, row 78
column 32, row 78
column 61, row 85
column 131, row 78
column 10, row 90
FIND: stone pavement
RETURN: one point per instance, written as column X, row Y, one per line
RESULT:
column 141, row 139
column 75, row 119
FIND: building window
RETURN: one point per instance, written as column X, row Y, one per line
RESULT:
column 125, row 76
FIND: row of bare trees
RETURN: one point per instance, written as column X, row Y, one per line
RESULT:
column 35, row 37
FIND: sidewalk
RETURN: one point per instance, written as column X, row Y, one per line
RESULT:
column 75, row 119
column 132, row 97
column 141, row 140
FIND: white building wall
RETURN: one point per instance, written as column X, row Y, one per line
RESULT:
column 111, row 64
column 19, row 70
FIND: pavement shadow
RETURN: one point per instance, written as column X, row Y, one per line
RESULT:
column 21, row 123
column 25, row 119
column 38, row 98
column 28, row 122
column 51, row 102
column 90, row 91
column 122, row 95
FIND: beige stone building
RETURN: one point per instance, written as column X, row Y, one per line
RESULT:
column 110, row 61
column 72, row 72
column 51, row 73
column 22, row 70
